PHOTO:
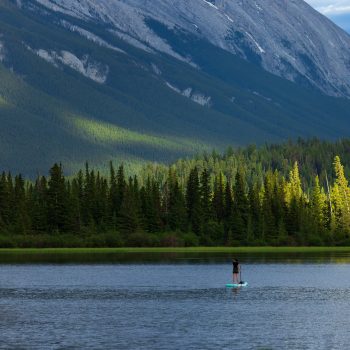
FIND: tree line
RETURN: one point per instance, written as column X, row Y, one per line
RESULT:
column 92, row 209
column 314, row 157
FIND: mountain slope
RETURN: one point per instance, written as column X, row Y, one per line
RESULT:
column 71, row 90
column 288, row 38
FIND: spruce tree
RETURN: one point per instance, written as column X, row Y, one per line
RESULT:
column 240, row 210
column 193, row 200
column 121, row 187
column 218, row 198
column 205, row 192
column 56, row 198
column 176, row 206
column 151, row 206
column 318, row 206
column 342, row 196
column 269, row 228
column 5, row 197
column 255, row 211
column 129, row 220
column 78, row 199
column 228, row 211
column 113, row 199
column 21, row 222
column 295, row 202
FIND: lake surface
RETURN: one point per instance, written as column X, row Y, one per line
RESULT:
column 287, row 305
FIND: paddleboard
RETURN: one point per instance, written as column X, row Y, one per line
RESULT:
column 237, row 285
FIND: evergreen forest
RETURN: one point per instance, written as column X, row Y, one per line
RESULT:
column 293, row 194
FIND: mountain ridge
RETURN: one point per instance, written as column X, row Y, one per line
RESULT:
column 311, row 49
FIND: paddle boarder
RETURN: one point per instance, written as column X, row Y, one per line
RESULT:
column 236, row 268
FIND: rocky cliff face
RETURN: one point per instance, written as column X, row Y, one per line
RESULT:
column 286, row 37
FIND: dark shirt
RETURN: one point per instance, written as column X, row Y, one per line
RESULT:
column 235, row 266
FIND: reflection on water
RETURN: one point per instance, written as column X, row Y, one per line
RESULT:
column 341, row 257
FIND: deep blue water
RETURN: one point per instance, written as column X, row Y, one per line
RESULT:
column 174, row 306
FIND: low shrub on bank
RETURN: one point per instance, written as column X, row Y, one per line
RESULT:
column 62, row 241
column 110, row 239
column 113, row 239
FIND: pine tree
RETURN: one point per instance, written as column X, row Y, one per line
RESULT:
column 5, row 195
column 176, row 206
column 121, row 187
column 255, row 211
column 218, row 198
column 337, row 223
column 240, row 208
column 101, row 202
column 113, row 200
column 70, row 223
column 38, row 208
column 295, row 202
column 269, row 228
column 151, row 206
column 21, row 223
column 205, row 192
column 11, row 198
column 89, row 200
column 342, row 196
column 295, row 183
column 228, row 207
column 78, row 199
column 129, row 220
column 56, row 198
column 318, row 206
column 193, row 200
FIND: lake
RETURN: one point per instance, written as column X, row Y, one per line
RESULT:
column 291, row 303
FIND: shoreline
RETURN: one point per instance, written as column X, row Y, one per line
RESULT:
column 180, row 250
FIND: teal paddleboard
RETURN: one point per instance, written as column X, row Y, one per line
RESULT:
column 237, row 285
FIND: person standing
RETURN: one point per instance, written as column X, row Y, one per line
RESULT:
column 236, row 268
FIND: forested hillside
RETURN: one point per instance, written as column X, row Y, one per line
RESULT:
column 314, row 157
column 71, row 90
column 240, row 198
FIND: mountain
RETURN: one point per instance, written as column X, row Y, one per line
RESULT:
column 156, row 80
column 287, row 38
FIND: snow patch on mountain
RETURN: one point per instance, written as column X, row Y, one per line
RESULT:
column 156, row 69
column 93, row 70
column 196, row 97
column 261, row 50
column 90, row 36
column 256, row 93
column 187, row 92
column 89, row 68
column 229, row 18
column 172, row 87
column 201, row 99
column 211, row 4
column 50, row 57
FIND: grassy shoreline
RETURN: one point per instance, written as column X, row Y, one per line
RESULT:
column 190, row 250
